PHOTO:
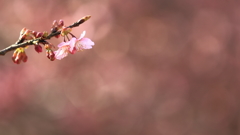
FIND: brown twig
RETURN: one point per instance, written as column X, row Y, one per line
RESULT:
column 41, row 39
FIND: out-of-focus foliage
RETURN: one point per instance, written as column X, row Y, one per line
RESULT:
column 159, row 67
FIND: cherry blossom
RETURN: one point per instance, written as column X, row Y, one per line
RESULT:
column 73, row 46
column 83, row 43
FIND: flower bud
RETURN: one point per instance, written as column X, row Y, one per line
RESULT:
column 45, row 34
column 60, row 23
column 17, row 61
column 25, row 58
column 54, row 26
column 19, row 58
column 55, row 23
column 15, row 55
column 39, row 34
column 34, row 33
column 54, row 29
column 87, row 17
column 19, row 55
column 38, row 48
column 83, row 19
column 22, row 36
column 50, row 54
column 22, row 32
column 28, row 31
column 29, row 34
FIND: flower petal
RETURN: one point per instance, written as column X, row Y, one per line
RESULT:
column 74, row 50
column 82, row 35
column 61, row 53
column 86, row 43
column 72, row 43
column 63, row 44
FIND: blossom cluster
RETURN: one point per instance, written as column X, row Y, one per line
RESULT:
column 38, row 39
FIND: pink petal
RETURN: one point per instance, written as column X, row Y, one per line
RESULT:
column 72, row 43
column 86, row 43
column 63, row 44
column 61, row 53
column 82, row 35
column 74, row 50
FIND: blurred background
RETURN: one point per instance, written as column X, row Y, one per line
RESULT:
column 158, row 67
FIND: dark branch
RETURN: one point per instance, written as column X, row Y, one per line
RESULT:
column 40, row 40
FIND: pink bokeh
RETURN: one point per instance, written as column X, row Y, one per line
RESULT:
column 157, row 67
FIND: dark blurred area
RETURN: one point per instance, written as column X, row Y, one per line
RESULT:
column 158, row 67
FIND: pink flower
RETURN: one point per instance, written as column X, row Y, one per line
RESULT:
column 64, row 49
column 73, row 45
column 83, row 43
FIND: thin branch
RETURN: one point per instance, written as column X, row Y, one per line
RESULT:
column 41, row 39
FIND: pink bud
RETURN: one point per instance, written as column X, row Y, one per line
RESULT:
column 45, row 34
column 38, row 48
column 55, row 23
column 34, row 33
column 61, row 23
column 19, row 55
column 25, row 58
column 18, row 58
column 50, row 54
column 39, row 34
column 23, row 31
